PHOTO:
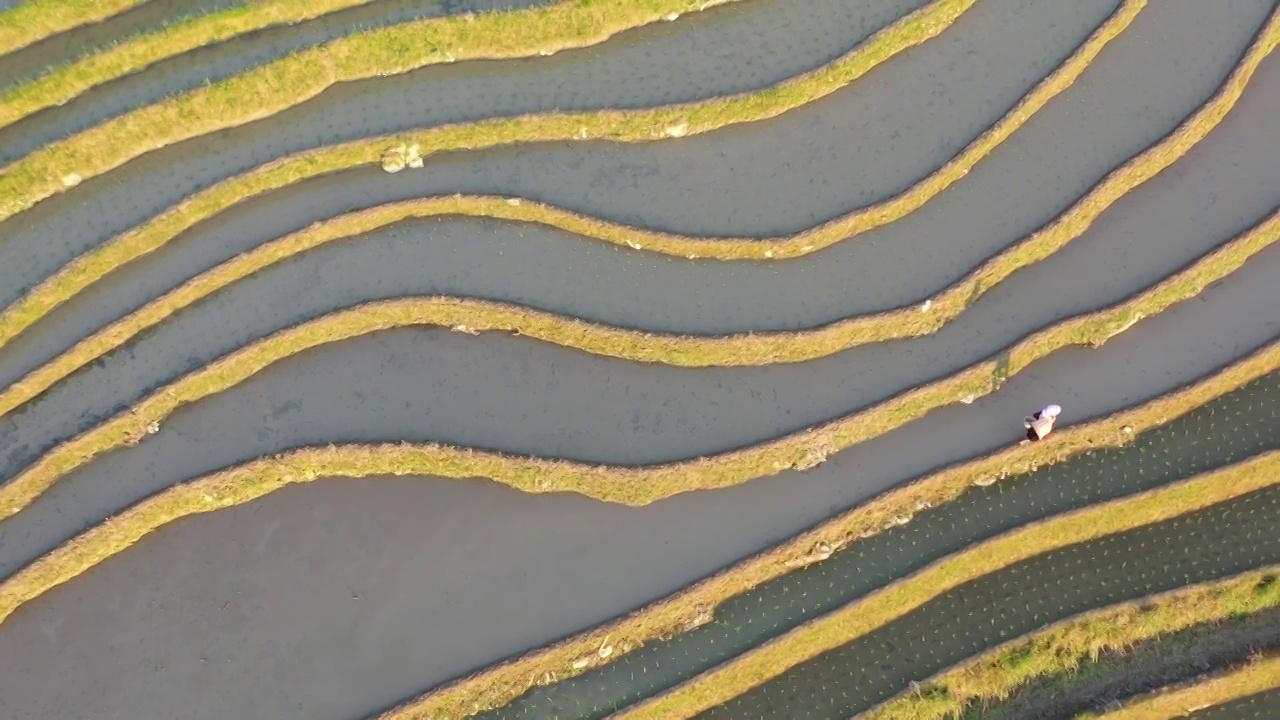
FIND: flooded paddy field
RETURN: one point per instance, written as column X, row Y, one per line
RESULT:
column 342, row 598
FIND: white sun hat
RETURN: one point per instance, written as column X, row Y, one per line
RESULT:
column 1051, row 411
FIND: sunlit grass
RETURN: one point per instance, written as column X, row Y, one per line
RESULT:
column 64, row 83
column 908, row 322
column 1061, row 648
column 872, row 611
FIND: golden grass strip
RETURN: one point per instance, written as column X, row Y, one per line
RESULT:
column 695, row 605
column 279, row 85
column 65, row 83
column 906, row 322
column 630, row 485
column 1062, row 647
column 31, row 21
column 1251, row 678
column 619, row 125
column 94, row 265
column 901, row 597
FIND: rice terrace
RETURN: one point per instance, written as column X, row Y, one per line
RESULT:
column 639, row 359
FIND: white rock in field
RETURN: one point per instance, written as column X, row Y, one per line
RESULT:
column 927, row 304
column 465, row 329
column 394, row 160
column 546, row 53
column 768, row 253
column 968, row 399
column 678, row 130
column 581, row 662
column 71, row 180
column 671, row 17
column 1127, row 429
column 513, row 201
column 984, row 482
column 605, row 651
column 413, row 156
column 153, row 427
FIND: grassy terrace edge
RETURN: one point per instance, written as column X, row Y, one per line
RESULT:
column 627, row 485
column 900, row 597
column 1060, row 648
column 690, row 607
column 893, row 324
column 31, row 21
column 1257, row 676
column 149, row 237
column 64, row 83
column 284, row 83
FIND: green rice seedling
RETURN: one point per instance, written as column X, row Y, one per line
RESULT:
column 1249, row 691
column 757, row 674
column 1110, row 652
column 696, row 605
column 1237, row 425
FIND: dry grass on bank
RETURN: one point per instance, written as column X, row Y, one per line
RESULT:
column 500, row 684
column 272, row 88
column 627, row 485
column 64, row 83
column 871, row 328
column 19, row 181
column 1059, row 649
column 893, row 601
column 1257, row 676
column 31, row 21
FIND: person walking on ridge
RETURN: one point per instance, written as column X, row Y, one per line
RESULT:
column 1041, row 423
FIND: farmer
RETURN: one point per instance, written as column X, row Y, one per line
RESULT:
column 1041, row 424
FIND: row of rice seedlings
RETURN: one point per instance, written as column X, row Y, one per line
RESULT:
column 292, row 80
column 1234, row 426
column 1069, row 665
column 257, row 94
column 1215, row 524
column 905, row 322
column 1243, row 685
column 66, row 82
column 31, row 21
column 705, row 601
column 630, row 485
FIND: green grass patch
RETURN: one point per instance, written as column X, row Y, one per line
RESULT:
column 1064, row 649
column 868, row 615
column 763, row 597
column 39, row 175
column 31, row 21
column 292, row 80
column 881, row 326
column 63, row 84
column 629, row 485
column 1258, row 676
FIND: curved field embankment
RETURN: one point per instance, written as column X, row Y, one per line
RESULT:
column 622, row 126
column 65, row 83
column 34, row 20
column 903, row 323
column 1063, row 649
column 1100, row 554
column 255, row 95
column 877, row 542
column 800, row 450
column 1259, row 675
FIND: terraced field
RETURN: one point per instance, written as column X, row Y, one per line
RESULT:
column 653, row 359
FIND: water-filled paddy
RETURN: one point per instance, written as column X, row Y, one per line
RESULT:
column 343, row 597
